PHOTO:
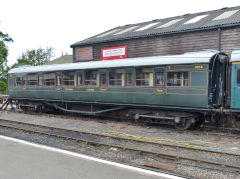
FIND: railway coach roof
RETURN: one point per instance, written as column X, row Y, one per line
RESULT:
column 235, row 56
column 186, row 58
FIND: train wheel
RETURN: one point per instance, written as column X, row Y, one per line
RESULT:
column 184, row 124
column 198, row 122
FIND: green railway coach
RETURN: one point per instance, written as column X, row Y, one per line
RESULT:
column 178, row 88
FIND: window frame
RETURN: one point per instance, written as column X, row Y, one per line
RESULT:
column 100, row 80
column 189, row 79
column 77, row 78
column 133, row 71
column 164, row 79
column 55, row 79
column 122, row 80
column 40, row 80
column 23, row 79
column 85, row 71
column 62, row 81
column 144, row 79
column 238, row 79
column 37, row 81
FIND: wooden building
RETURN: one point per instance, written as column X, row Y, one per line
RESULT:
column 218, row 30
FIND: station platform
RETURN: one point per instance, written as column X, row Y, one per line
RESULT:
column 24, row 160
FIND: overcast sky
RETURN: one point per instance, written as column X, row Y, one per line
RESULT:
column 60, row 23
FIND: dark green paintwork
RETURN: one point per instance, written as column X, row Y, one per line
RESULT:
column 235, row 86
column 195, row 95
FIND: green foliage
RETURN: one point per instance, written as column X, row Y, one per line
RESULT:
column 3, row 86
column 34, row 57
column 4, row 38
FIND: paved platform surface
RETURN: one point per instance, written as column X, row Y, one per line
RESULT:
column 20, row 159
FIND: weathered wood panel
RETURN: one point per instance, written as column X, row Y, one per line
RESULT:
column 163, row 45
column 175, row 43
column 230, row 39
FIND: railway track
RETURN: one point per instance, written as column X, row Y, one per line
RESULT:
column 211, row 130
column 128, row 144
column 206, row 130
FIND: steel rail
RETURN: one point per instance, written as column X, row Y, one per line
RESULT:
column 205, row 130
column 223, row 129
column 231, row 132
column 163, row 155
column 124, row 139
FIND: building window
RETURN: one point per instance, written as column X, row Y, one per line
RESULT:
column 116, row 77
column 178, row 79
column 143, row 76
column 68, row 78
column 91, row 78
column 80, row 79
column 49, row 79
column 32, row 80
column 20, row 81
column 159, row 79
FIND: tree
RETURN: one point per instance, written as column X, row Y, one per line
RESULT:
column 34, row 57
column 4, row 38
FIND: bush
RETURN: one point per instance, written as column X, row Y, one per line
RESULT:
column 3, row 86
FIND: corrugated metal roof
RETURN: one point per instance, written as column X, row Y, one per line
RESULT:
column 186, row 58
column 213, row 19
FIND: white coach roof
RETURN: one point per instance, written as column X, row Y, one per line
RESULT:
column 186, row 58
column 235, row 56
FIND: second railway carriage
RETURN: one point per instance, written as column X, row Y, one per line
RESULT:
column 179, row 89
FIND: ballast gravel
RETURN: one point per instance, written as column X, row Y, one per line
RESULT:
column 166, row 134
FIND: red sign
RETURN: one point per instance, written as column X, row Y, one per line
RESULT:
column 114, row 53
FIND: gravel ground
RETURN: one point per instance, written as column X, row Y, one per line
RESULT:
column 168, row 135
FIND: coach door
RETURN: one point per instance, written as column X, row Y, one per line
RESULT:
column 103, row 78
column 235, row 85
column 59, row 90
column 103, row 81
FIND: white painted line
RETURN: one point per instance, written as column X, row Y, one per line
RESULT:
column 149, row 172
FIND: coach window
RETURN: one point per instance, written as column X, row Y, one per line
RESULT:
column 178, row 79
column 129, row 77
column 40, row 80
column 90, row 78
column 59, row 80
column 20, row 81
column 49, row 79
column 32, row 80
column 238, row 78
column 144, row 77
column 103, row 79
column 116, row 77
column 79, row 78
column 159, row 79
column 68, row 78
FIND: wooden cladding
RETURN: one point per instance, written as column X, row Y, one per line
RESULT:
column 163, row 45
column 230, row 39
column 174, row 44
